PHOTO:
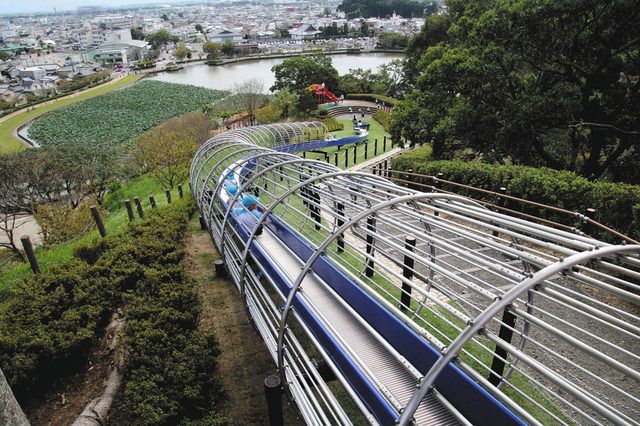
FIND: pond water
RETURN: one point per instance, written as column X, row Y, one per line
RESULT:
column 227, row 76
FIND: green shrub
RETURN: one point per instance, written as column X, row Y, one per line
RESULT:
column 332, row 124
column 125, row 113
column 382, row 117
column 617, row 205
column 372, row 98
column 51, row 321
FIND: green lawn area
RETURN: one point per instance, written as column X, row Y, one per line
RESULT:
column 9, row 143
column 376, row 131
column 116, row 222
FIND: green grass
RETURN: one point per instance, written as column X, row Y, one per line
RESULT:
column 116, row 222
column 9, row 143
column 376, row 131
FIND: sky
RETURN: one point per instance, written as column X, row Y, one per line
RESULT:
column 25, row 6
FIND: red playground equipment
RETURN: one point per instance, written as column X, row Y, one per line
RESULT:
column 323, row 95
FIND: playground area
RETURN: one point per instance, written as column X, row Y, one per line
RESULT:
column 418, row 307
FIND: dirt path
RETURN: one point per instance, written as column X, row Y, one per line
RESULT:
column 244, row 360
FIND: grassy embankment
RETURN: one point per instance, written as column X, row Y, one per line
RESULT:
column 375, row 132
column 115, row 223
column 9, row 143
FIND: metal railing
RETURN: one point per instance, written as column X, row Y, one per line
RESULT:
column 543, row 319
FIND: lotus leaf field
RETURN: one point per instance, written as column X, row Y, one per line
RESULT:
column 120, row 115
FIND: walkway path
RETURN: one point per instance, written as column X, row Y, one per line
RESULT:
column 244, row 360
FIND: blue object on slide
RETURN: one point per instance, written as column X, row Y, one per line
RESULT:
column 231, row 176
column 257, row 214
column 231, row 189
column 249, row 201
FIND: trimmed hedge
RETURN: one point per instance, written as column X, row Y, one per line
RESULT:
column 51, row 321
column 382, row 117
column 372, row 98
column 617, row 205
column 332, row 124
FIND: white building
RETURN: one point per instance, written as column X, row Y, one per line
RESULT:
column 220, row 36
column 304, row 32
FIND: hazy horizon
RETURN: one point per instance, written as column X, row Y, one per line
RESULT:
column 33, row 6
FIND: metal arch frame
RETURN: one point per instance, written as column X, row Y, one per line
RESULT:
column 225, row 158
column 226, row 216
column 499, row 262
column 282, row 198
column 320, row 250
column 487, row 315
column 261, row 152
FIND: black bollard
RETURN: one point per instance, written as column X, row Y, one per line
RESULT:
column 366, row 149
column 384, row 144
column 340, row 222
column 335, row 159
column 375, row 148
column 273, row 394
column 167, row 192
column 355, row 154
column 500, row 355
column 407, row 272
column 371, row 226
column 152, row 200
column 221, row 272
column 346, row 158
column 180, row 192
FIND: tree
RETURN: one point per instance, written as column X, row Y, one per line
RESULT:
column 228, row 48
column 286, row 100
column 181, row 51
column 364, row 29
column 160, row 38
column 137, row 33
column 372, row 8
column 5, row 55
column 212, row 49
column 10, row 412
column 540, row 83
column 250, row 96
column 300, row 72
column 199, row 28
column 164, row 17
column 284, row 33
column 166, row 154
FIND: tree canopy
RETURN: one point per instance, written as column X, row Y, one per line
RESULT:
column 533, row 82
column 161, row 37
column 370, row 8
column 300, row 72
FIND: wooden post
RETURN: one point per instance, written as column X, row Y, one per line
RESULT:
column 139, row 207
column 355, row 154
column 366, row 149
column 127, row 204
column 335, row 158
column 203, row 223
column 304, row 154
column 180, row 193
column 371, row 227
column 31, row 254
column 340, row 222
column 375, row 148
column 167, row 192
column 407, row 272
column 346, row 158
column 152, row 200
column 96, row 217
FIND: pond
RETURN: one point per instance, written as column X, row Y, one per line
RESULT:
column 227, row 76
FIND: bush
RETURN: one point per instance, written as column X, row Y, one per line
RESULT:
column 382, row 117
column 617, row 205
column 332, row 124
column 51, row 321
column 372, row 98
